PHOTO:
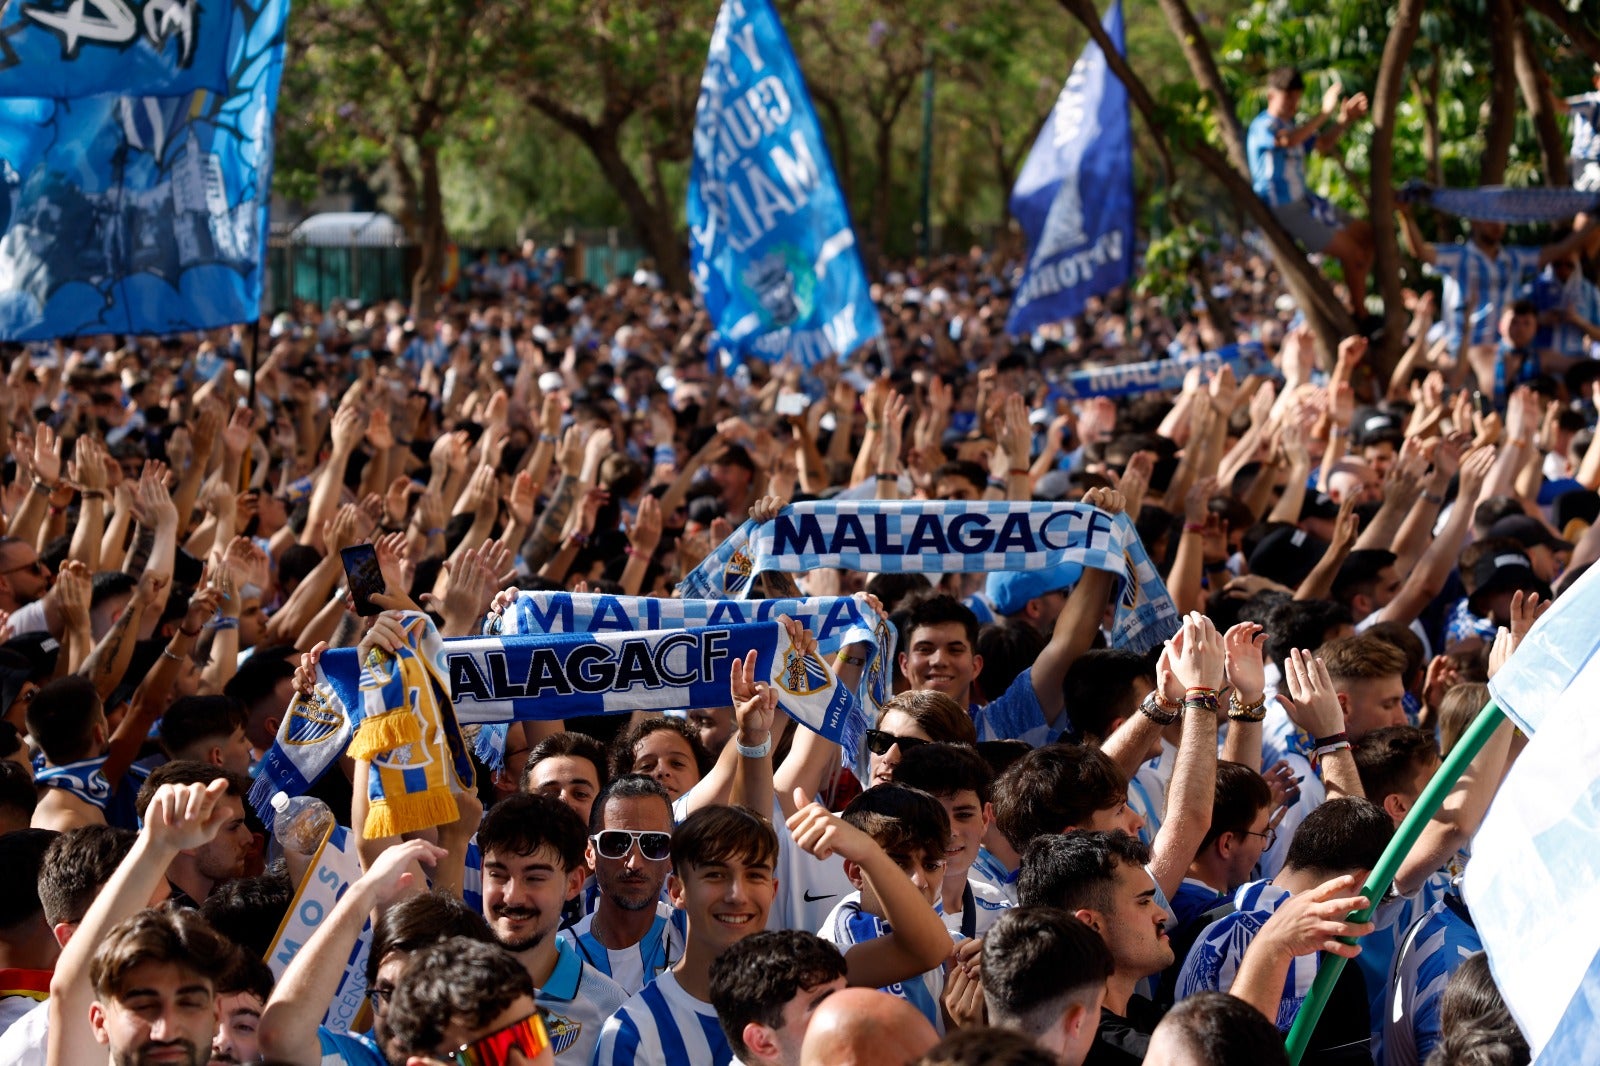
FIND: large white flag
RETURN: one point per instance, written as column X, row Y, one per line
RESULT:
column 1533, row 884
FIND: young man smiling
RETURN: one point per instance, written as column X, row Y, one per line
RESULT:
column 722, row 877
column 533, row 848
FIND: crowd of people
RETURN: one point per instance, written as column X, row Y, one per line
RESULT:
column 1049, row 849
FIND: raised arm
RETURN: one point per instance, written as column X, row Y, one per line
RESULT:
column 919, row 941
column 1078, row 622
column 1309, row 922
column 755, row 709
column 1411, row 236
column 179, row 817
column 1199, row 668
column 1427, row 580
column 290, row 1019
column 1316, row 710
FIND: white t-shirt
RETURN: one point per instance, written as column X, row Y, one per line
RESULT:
column 26, row 1040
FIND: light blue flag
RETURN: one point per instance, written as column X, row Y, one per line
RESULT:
column 141, row 214
column 78, row 48
column 1074, row 197
column 1534, row 876
column 770, row 243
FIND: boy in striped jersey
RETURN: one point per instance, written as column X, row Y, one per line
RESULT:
column 722, row 876
column 889, row 835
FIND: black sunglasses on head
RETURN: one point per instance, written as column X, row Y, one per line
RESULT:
column 879, row 742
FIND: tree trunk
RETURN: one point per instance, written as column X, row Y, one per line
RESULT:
column 430, row 267
column 653, row 226
column 1203, row 65
column 843, row 161
column 1385, row 101
column 1535, row 93
column 1502, row 124
column 883, row 186
column 1327, row 316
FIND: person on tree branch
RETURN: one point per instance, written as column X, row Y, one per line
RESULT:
column 1277, row 150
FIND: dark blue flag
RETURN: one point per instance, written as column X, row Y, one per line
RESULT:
column 1074, row 197
column 141, row 214
column 75, row 48
column 770, row 242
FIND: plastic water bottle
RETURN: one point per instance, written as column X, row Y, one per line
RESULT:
column 299, row 823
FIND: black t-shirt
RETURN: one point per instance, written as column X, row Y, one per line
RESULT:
column 1123, row 1039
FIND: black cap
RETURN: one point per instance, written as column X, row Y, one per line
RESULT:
column 1528, row 532
column 1319, row 505
column 1287, row 555
column 1372, row 424
column 1503, row 572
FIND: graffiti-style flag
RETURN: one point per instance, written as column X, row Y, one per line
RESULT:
column 770, row 243
column 1074, row 197
column 141, row 214
column 79, row 48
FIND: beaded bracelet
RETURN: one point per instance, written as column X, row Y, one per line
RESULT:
column 1242, row 712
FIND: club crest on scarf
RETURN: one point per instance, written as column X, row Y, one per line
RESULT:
column 737, row 574
column 804, row 673
column 312, row 720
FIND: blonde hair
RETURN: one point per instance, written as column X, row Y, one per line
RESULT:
column 1459, row 707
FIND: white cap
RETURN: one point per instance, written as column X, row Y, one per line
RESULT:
column 552, row 381
column 280, row 801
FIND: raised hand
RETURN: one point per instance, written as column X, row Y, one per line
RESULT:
column 520, row 501
column 818, row 831
column 72, row 590
column 1243, row 647
column 305, row 675
column 1199, row 662
column 387, row 634
column 1314, row 920
column 390, row 876
column 645, row 532
column 397, row 500
column 1316, row 706
column 182, row 817
column 236, row 435
column 766, row 508
column 46, row 455
column 755, row 703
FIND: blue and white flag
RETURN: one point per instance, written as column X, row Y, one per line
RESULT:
column 1130, row 379
column 946, row 537
column 141, row 214
column 1535, row 869
column 549, row 678
column 1497, row 203
column 770, row 243
column 71, row 49
column 333, row 869
column 1074, row 197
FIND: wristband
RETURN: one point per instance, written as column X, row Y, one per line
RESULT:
column 1332, row 740
column 1216, row 567
column 874, row 425
column 93, row 494
column 191, row 633
column 761, row 751
column 887, row 476
column 1329, row 749
column 1154, row 711
column 402, row 443
column 852, row 660
column 42, row 488
column 1020, row 471
column 996, row 483
column 219, row 624
column 665, row 455
column 166, row 653
column 436, row 531
column 547, row 438
column 1194, row 527
column 1433, row 498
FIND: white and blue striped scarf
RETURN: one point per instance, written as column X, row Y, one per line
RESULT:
column 836, row 621
column 1496, row 203
column 1130, row 379
column 946, row 536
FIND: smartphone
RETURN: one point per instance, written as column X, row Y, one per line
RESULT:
column 1484, row 405
column 365, row 579
column 792, row 404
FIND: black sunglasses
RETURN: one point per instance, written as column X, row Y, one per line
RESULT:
column 879, row 742
column 616, row 843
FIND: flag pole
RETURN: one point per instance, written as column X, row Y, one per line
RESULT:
column 1382, row 876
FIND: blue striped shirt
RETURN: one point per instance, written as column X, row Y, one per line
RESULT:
column 992, row 872
column 1016, row 715
column 1477, row 288
column 1214, row 959
column 1434, row 947
column 1277, row 174
column 663, row 1026
column 849, row 925
column 637, row 965
column 1585, row 112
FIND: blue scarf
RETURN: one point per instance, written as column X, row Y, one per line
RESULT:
column 548, row 678
column 1130, row 379
column 836, row 621
column 946, row 536
column 84, row 779
column 1494, row 203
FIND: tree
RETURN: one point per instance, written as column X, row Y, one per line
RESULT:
column 615, row 76
column 399, row 75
